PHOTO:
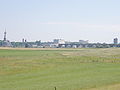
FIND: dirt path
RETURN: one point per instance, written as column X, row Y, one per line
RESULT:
column 109, row 87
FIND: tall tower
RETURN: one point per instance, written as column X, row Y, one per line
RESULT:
column 23, row 40
column 5, row 35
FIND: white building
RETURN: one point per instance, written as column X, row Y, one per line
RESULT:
column 83, row 42
column 59, row 41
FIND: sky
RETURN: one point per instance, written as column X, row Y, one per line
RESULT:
column 71, row 20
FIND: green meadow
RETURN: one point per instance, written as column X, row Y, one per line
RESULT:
column 65, row 69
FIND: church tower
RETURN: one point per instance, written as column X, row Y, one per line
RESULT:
column 5, row 35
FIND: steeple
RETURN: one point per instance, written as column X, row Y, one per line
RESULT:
column 5, row 35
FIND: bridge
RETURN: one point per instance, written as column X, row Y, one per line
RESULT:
column 87, row 45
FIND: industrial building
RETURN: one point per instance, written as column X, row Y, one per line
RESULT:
column 115, row 41
column 5, row 42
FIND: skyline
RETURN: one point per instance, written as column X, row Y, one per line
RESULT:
column 96, row 21
column 115, row 40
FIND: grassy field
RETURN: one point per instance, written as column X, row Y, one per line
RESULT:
column 65, row 69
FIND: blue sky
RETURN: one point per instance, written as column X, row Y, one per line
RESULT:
column 72, row 20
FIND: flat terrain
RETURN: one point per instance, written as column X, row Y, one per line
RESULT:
column 65, row 69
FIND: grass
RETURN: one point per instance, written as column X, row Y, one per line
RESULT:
column 65, row 69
